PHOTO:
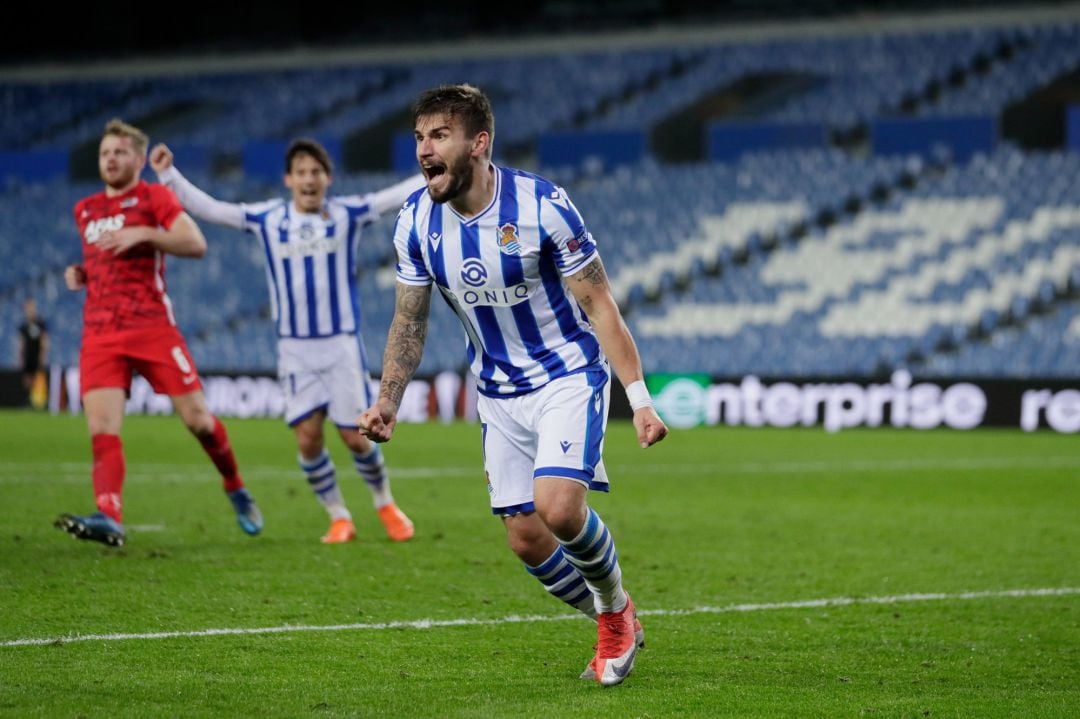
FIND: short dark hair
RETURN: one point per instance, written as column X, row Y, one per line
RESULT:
column 307, row 146
column 462, row 102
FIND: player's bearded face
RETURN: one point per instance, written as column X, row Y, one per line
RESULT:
column 444, row 155
column 118, row 161
column 456, row 179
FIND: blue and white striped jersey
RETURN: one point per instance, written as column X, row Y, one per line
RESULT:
column 310, row 263
column 501, row 272
column 310, row 257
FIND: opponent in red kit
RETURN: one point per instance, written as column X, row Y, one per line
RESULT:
column 128, row 326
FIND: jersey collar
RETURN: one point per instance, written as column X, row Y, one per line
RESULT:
column 494, row 199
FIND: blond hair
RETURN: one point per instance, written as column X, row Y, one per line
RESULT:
column 138, row 138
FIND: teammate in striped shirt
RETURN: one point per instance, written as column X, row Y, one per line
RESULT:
column 128, row 325
column 310, row 244
column 511, row 256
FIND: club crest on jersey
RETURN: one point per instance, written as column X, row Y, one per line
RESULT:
column 508, row 240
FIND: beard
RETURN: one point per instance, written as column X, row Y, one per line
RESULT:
column 121, row 178
column 460, row 176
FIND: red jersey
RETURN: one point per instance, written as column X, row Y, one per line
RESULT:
column 127, row 291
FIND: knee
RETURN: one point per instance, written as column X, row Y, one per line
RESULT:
column 310, row 444
column 101, row 424
column 199, row 421
column 522, row 544
column 529, row 540
column 563, row 517
column 356, row 442
column 100, row 421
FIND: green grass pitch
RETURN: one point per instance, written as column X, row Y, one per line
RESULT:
column 727, row 539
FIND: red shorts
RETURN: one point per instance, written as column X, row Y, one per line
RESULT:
column 158, row 353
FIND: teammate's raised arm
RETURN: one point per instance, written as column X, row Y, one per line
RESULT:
column 392, row 198
column 195, row 200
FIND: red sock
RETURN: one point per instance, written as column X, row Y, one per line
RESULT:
column 108, row 474
column 220, row 452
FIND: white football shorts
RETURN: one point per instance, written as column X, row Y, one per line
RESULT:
column 323, row 373
column 555, row 431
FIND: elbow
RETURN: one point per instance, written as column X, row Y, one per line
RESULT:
column 197, row 248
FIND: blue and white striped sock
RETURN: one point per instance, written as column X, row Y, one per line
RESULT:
column 321, row 477
column 373, row 469
column 593, row 553
column 565, row 582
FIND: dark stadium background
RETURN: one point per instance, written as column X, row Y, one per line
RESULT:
column 103, row 33
column 106, row 43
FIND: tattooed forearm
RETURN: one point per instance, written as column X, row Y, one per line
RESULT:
column 405, row 342
column 593, row 273
column 393, row 390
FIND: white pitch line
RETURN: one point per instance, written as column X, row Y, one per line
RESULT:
column 72, row 473
column 517, row 619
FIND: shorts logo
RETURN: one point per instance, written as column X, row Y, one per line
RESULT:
column 473, row 272
column 508, row 240
column 596, row 402
column 183, row 364
column 565, row 446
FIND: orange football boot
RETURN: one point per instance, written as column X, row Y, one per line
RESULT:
column 341, row 531
column 398, row 527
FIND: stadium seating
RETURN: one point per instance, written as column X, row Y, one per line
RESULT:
column 958, row 258
column 794, row 263
column 856, row 79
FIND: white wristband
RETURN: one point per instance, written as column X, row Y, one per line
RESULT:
column 638, row 394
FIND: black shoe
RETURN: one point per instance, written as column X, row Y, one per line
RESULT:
column 97, row 526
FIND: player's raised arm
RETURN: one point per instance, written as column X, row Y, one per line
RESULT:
column 195, row 200
column 590, row 288
column 404, row 348
column 392, row 198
